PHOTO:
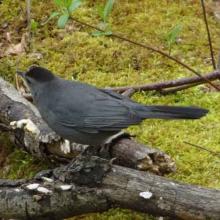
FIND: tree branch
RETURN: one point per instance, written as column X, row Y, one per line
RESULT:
column 178, row 83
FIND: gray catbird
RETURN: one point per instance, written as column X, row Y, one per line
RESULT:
column 87, row 115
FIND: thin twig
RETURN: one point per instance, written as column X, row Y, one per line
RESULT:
column 28, row 16
column 218, row 62
column 170, row 83
column 203, row 148
column 152, row 49
column 129, row 92
column 178, row 88
column 17, row 84
column 208, row 34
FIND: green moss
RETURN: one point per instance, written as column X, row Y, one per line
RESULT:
column 113, row 214
column 17, row 163
column 20, row 164
column 106, row 61
column 10, row 10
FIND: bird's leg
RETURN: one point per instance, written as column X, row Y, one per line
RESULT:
column 90, row 151
column 104, row 151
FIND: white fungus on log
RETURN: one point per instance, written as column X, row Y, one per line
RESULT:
column 44, row 190
column 46, row 179
column 145, row 195
column 65, row 187
column 33, row 186
column 17, row 190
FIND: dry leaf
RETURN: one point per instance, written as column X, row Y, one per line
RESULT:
column 19, row 48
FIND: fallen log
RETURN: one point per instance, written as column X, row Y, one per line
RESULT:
column 93, row 185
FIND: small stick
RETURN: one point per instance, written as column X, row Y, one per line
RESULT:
column 28, row 16
column 17, row 82
column 129, row 92
column 203, row 148
column 208, row 34
column 218, row 62
column 179, row 88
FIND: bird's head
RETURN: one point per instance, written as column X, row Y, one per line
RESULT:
column 36, row 76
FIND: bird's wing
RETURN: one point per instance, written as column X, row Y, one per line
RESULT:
column 110, row 116
column 103, row 110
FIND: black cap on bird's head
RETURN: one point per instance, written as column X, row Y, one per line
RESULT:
column 37, row 74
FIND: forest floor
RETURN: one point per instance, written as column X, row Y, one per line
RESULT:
column 104, row 61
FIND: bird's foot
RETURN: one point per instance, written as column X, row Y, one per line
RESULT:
column 104, row 151
column 72, row 147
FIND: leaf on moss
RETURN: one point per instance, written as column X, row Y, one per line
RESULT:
column 62, row 20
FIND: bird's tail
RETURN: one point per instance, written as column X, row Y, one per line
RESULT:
column 169, row 112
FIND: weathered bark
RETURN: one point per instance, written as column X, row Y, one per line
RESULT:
column 94, row 186
column 134, row 155
column 41, row 141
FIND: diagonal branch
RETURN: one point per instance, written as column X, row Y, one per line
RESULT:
column 152, row 49
column 208, row 34
column 217, row 154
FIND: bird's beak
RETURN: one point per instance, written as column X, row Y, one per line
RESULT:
column 22, row 74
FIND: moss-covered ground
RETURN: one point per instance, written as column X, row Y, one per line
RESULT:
column 108, row 62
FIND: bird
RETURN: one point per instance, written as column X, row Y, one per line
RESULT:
column 88, row 115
